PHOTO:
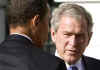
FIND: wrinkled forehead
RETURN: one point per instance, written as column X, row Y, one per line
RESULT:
column 73, row 24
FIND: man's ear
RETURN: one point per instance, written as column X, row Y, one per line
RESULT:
column 90, row 35
column 35, row 20
column 53, row 34
column 89, row 38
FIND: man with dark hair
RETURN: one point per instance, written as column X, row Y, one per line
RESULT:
column 28, row 26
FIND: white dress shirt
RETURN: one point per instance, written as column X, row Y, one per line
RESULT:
column 78, row 64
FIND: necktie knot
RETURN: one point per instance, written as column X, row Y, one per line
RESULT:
column 74, row 68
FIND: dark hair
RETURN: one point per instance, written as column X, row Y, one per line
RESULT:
column 21, row 11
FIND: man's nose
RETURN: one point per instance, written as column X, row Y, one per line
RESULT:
column 73, row 40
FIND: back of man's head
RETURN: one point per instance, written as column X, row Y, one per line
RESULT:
column 21, row 12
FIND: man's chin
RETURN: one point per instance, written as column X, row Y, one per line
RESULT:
column 70, row 59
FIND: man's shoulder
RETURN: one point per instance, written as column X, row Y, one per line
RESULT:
column 48, row 61
column 45, row 56
column 91, row 59
column 14, row 41
column 91, row 63
column 40, row 59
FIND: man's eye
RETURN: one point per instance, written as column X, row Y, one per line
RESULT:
column 80, row 35
column 68, row 34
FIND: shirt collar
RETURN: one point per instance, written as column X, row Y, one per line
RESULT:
column 78, row 64
column 23, row 35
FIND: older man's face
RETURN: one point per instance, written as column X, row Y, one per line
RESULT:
column 71, row 39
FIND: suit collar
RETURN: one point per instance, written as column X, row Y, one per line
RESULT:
column 22, row 35
column 17, row 36
column 20, row 38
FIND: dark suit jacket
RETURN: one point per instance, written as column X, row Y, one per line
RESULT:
column 91, row 63
column 18, row 53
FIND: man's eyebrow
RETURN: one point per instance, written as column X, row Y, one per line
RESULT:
column 67, row 32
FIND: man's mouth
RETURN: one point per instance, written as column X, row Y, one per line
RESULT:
column 72, row 52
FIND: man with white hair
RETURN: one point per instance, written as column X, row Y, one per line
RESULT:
column 71, row 31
